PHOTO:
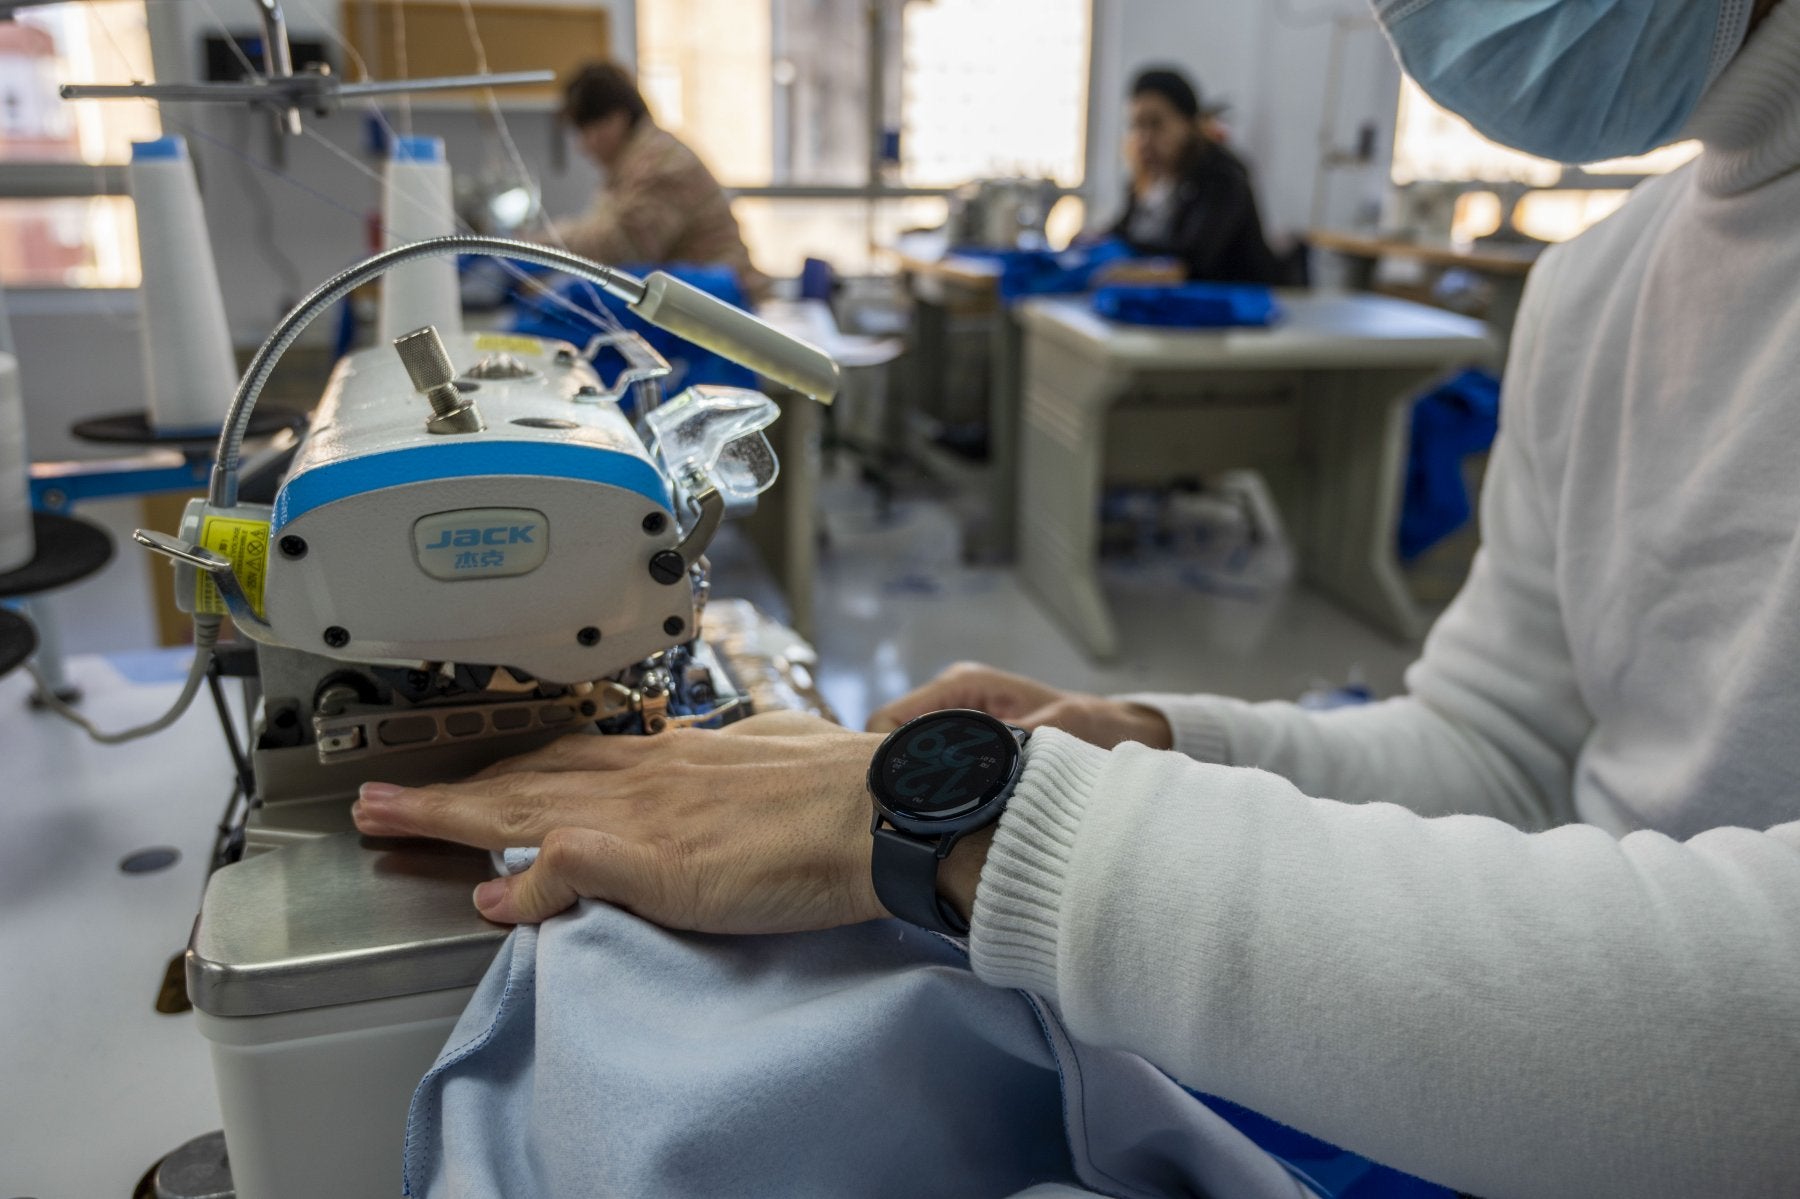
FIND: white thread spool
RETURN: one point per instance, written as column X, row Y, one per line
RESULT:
column 17, row 545
column 416, row 203
column 189, row 367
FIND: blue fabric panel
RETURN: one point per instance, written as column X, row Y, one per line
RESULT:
column 1456, row 420
column 602, row 1055
column 1189, row 305
column 537, row 316
column 1049, row 272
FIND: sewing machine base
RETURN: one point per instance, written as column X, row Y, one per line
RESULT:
column 315, row 1102
column 327, row 969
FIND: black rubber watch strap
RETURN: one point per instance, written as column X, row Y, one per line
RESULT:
column 905, row 870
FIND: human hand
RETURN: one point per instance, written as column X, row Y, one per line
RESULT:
column 1029, row 705
column 760, row 827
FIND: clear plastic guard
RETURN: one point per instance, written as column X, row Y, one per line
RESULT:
column 717, row 432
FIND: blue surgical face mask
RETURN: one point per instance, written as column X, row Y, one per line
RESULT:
column 1571, row 80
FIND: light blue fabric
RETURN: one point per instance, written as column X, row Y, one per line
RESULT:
column 1571, row 80
column 604, row 1056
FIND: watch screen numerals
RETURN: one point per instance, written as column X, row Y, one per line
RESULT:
column 948, row 763
column 917, row 781
column 950, row 748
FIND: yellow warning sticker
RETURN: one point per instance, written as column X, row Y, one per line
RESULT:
column 508, row 343
column 246, row 543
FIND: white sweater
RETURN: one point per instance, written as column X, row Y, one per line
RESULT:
column 1549, row 944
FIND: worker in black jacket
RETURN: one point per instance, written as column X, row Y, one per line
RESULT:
column 1190, row 197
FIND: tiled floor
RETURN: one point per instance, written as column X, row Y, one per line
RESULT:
column 895, row 606
column 98, row 1085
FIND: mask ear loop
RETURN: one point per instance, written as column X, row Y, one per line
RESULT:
column 1733, row 30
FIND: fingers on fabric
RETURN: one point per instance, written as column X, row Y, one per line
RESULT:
column 492, row 813
column 574, row 863
column 586, row 753
column 579, row 751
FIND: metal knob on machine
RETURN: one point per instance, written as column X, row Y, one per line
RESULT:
column 433, row 376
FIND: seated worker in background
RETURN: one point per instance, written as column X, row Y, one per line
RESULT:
column 1190, row 197
column 659, row 203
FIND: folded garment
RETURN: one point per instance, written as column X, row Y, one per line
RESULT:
column 1189, row 305
column 1049, row 272
column 602, row 1056
column 1449, row 424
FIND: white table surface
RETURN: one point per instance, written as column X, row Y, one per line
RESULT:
column 1318, row 329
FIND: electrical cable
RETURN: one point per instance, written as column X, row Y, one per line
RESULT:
column 227, row 837
column 206, row 635
column 246, row 778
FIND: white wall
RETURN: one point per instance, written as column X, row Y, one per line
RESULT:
column 1271, row 60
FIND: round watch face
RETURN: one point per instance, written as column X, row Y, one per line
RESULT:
column 945, row 765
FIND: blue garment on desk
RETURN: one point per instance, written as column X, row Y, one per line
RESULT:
column 1189, row 305
column 604, row 1056
column 1458, row 419
column 1049, row 272
column 539, row 316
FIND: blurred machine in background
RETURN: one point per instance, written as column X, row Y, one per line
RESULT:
column 1001, row 213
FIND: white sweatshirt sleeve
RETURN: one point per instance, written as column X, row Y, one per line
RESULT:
column 1548, row 1014
column 1492, row 719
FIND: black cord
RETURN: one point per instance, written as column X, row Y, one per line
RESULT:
column 228, row 841
column 239, row 761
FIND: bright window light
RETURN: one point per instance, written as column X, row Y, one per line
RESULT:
column 42, row 48
column 75, row 242
column 1432, row 145
column 1557, row 216
column 969, row 111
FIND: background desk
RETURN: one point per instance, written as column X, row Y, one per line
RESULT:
column 785, row 527
column 940, row 283
column 1503, row 267
column 1319, row 404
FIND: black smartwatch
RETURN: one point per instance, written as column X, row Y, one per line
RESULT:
column 934, row 780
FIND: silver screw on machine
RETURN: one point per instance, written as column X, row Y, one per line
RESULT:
column 434, row 377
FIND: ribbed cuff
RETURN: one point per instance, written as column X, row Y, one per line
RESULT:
column 1198, row 722
column 1014, row 936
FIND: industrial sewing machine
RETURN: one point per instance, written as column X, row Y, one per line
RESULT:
column 475, row 550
